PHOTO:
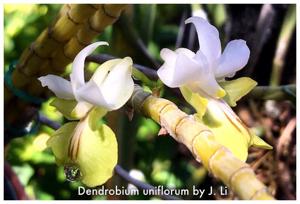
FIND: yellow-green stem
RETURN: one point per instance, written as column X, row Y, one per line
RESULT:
column 75, row 27
column 201, row 142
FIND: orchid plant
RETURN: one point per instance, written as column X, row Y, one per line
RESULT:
column 91, row 146
column 88, row 148
column 201, row 79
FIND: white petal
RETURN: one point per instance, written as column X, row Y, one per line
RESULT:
column 77, row 74
column 207, row 84
column 92, row 94
column 202, row 60
column 205, row 81
column 115, row 89
column 186, row 70
column 179, row 67
column 103, row 70
column 118, row 86
column 234, row 58
column 186, row 52
column 168, row 55
column 58, row 85
column 166, row 71
column 208, row 37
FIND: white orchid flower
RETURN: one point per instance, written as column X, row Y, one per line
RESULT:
column 200, row 71
column 197, row 75
column 110, row 87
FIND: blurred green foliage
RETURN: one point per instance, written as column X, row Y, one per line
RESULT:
column 22, row 24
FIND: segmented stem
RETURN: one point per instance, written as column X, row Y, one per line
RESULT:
column 201, row 142
column 74, row 28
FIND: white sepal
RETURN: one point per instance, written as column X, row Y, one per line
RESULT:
column 59, row 86
column 235, row 57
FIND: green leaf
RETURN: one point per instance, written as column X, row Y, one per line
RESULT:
column 71, row 109
column 237, row 88
column 198, row 102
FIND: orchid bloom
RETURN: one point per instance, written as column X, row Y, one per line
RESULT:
column 110, row 87
column 201, row 79
column 200, row 71
column 87, row 148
